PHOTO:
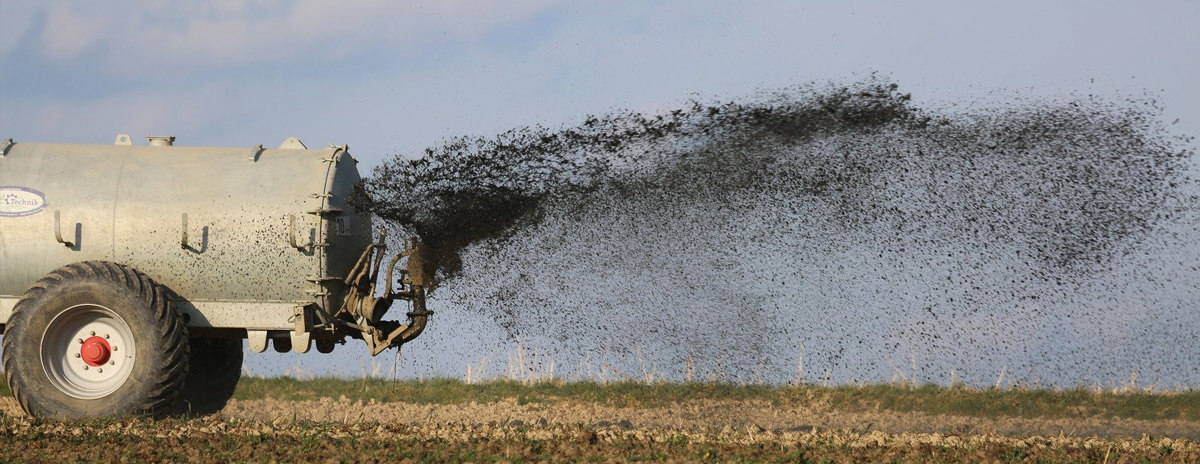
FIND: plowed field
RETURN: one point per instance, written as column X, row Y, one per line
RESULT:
column 342, row 430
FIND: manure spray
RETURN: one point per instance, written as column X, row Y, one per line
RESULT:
column 1052, row 241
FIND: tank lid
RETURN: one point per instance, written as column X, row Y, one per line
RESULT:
column 161, row 140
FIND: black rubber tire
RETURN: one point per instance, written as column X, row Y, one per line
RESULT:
column 156, row 367
column 216, row 368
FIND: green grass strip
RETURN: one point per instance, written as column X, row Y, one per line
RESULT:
column 1076, row 403
column 450, row 391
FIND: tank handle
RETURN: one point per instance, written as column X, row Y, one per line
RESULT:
column 292, row 234
column 58, row 230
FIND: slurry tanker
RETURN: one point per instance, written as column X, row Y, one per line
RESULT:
column 129, row 275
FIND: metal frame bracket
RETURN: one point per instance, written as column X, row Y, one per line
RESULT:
column 257, row 339
column 255, row 152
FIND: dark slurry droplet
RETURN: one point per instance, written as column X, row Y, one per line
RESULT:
column 818, row 234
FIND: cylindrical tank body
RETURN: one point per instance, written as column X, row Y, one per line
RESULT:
column 214, row 225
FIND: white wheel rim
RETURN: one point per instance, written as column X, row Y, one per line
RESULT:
column 88, row 351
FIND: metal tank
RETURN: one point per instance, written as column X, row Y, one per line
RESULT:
column 110, row 245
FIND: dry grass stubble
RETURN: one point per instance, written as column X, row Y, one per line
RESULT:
column 746, row 430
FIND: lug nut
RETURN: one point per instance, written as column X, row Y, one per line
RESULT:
column 112, row 363
column 93, row 333
column 100, row 370
column 114, row 347
column 106, row 336
column 80, row 341
column 76, row 355
column 85, row 368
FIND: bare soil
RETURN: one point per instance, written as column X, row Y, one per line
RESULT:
column 749, row 431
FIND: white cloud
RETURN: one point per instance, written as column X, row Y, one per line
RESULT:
column 67, row 33
column 16, row 19
column 186, row 36
column 455, row 66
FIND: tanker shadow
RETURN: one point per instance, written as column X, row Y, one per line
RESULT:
column 78, row 243
column 203, row 242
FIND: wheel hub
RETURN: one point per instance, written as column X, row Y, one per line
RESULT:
column 95, row 351
column 88, row 351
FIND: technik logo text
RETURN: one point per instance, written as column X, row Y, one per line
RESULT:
column 20, row 201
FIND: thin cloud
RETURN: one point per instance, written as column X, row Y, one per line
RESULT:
column 68, row 33
column 185, row 37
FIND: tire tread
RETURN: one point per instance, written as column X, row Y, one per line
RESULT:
column 168, row 330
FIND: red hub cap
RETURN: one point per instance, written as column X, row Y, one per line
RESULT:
column 95, row 351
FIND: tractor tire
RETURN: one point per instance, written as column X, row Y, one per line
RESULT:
column 216, row 368
column 95, row 339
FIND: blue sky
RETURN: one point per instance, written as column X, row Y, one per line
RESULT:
column 391, row 77
column 388, row 77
